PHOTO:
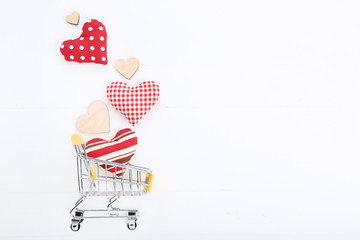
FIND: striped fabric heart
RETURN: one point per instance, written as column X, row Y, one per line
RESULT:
column 120, row 149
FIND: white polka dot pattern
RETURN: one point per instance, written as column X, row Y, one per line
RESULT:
column 89, row 47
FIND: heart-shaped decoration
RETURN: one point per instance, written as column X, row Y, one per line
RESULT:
column 133, row 102
column 90, row 47
column 120, row 149
column 127, row 68
column 73, row 18
column 97, row 121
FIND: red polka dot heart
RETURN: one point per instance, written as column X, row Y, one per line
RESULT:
column 90, row 47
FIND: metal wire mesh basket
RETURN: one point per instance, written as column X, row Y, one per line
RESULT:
column 94, row 180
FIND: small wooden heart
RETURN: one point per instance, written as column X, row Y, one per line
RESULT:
column 97, row 121
column 73, row 18
column 127, row 68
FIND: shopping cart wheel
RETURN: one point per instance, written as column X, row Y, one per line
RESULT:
column 75, row 227
column 79, row 214
column 132, row 225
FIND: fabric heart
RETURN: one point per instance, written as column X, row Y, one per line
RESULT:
column 133, row 102
column 120, row 149
column 90, row 47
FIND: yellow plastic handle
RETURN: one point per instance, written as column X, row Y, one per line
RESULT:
column 92, row 173
column 151, row 178
column 77, row 139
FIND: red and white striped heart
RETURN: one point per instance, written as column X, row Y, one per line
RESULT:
column 120, row 149
column 133, row 102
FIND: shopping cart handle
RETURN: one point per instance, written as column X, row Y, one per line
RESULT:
column 92, row 173
column 150, row 177
column 77, row 139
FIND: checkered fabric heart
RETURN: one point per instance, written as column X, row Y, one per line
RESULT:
column 133, row 102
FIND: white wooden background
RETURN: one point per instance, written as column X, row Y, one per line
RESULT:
column 255, row 136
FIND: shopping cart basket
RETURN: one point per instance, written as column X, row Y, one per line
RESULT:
column 94, row 180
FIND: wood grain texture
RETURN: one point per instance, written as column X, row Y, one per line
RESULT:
column 73, row 18
column 97, row 121
column 127, row 68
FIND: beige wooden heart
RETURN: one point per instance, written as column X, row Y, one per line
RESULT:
column 73, row 18
column 127, row 68
column 97, row 121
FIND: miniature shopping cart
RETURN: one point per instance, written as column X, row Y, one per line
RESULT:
column 94, row 180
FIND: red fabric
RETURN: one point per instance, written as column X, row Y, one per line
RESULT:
column 90, row 47
column 113, row 147
column 120, row 149
column 133, row 102
column 118, row 134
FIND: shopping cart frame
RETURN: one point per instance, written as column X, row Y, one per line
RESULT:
column 93, row 174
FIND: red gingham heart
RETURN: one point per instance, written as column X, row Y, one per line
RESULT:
column 133, row 102
column 90, row 47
